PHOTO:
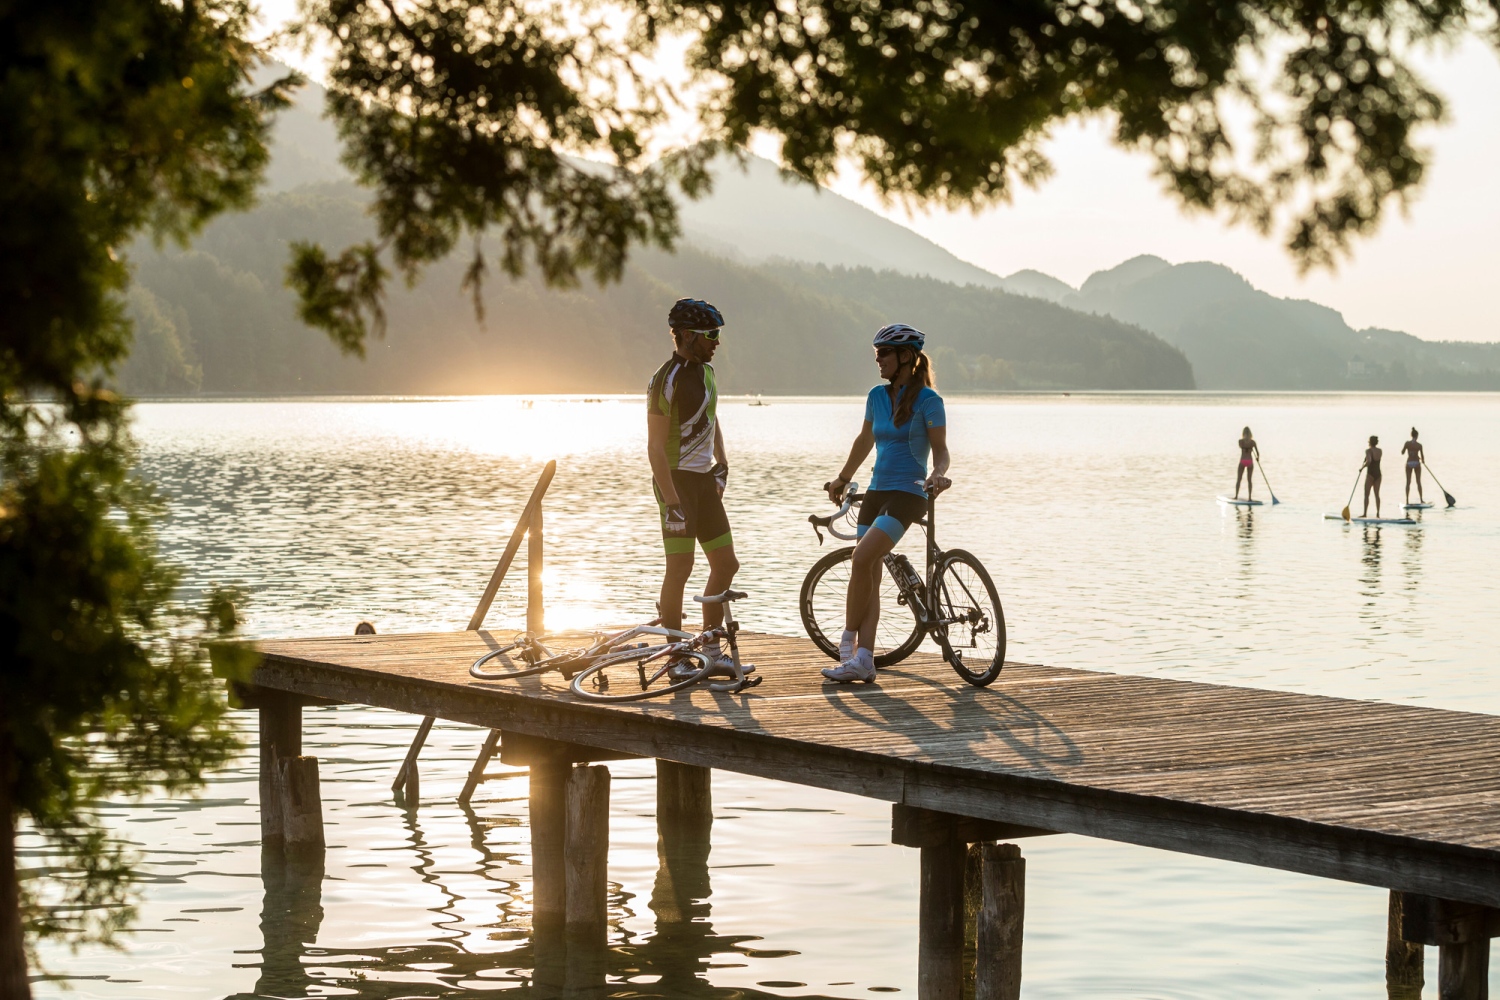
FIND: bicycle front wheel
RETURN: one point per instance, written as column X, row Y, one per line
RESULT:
column 968, row 609
column 825, row 594
column 628, row 676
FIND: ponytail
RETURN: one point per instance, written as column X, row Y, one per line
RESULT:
column 922, row 375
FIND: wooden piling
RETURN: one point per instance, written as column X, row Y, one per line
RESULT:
column 1403, row 958
column 1464, row 970
column 301, row 804
column 940, row 922
column 280, row 736
column 548, row 841
column 684, row 806
column 1000, row 924
column 586, row 858
column 408, row 783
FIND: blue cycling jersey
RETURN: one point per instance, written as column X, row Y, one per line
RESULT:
column 901, row 452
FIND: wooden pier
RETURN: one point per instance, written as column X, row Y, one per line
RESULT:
column 1399, row 797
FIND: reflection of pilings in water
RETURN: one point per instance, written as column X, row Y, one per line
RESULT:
column 290, row 917
column 491, row 864
column 424, row 871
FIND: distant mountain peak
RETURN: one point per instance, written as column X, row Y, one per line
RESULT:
column 1122, row 276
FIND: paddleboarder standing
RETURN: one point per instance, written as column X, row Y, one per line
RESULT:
column 1413, row 451
column 1249, row 453
column 1372, row 475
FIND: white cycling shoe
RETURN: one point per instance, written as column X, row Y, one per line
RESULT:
column 859, row 667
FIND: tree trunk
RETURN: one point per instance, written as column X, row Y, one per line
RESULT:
column 13, row 982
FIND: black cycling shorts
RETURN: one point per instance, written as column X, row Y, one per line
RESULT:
column 899, row 509
column 706, row 520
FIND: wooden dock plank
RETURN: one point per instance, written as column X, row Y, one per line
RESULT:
column 1398, row 796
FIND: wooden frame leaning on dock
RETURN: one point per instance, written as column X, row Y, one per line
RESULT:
column 529, row 526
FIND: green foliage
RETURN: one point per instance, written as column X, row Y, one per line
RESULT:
column 459, row 115
column 950, row 100
column 462, row 115
column 117, row 118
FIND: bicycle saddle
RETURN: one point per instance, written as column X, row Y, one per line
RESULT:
column 728, row 595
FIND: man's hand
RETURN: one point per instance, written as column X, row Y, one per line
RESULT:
column 676, row 521
column 720, row 472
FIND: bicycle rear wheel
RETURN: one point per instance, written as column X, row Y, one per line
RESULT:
column 618, row 676
column 825, row 592
column 522, row 657
column 972, row 630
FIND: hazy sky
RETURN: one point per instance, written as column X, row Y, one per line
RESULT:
column 1431, row 273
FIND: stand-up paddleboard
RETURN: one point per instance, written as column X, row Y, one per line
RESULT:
column 1417, row 506
column 1241, row 503
column 1370, row 520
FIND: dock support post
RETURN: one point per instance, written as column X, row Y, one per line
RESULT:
column 684, row 806
column 1464, row 970
column 940, row 922
column 280, row 736
column 1403, row 958
column 587, row 854
column 301, row 804
column 548, row 840
column 1001, row 923
column 1461, row 932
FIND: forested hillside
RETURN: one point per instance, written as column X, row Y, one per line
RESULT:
column 1239, row 337
column 217, row 319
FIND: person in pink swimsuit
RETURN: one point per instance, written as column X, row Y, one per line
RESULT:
column 1248, row 454
column 1413, row 450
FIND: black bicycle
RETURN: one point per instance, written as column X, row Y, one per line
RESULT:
column 956, row 604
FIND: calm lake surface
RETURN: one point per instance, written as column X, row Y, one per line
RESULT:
column 1097, row 518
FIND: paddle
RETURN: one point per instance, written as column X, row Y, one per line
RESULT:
column 1446, row 495
column 1274, row 501
column 1351, row 492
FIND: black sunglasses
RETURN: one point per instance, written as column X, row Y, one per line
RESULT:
column 881, row 352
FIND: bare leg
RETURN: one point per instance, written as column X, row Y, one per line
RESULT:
column 1368, row 485
column 1408, row 484
column 1377, row 498
column 1249, row 483
column 679, row 568
column 1420, row 498
column 722, row 565
column 1237, row 477
column 862, row 611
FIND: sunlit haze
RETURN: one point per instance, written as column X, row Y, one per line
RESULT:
column 1425, row 272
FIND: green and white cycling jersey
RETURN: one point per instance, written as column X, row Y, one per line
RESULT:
column 686, row 394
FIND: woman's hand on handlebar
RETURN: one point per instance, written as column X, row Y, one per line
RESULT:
column 936, row 484
column 835, row 489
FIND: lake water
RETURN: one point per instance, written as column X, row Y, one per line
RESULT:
column 1097, row 518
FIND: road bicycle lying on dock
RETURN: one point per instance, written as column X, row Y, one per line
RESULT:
column 643, row 661
column 956, row 604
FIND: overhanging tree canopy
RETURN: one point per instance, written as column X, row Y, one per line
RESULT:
column 460, row 114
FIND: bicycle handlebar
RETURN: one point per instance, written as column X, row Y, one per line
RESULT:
column 851, row 497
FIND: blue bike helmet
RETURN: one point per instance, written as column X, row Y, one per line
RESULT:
column 694, row 315
column 900, row 335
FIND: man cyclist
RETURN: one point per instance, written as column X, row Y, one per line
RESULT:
column 689, row 468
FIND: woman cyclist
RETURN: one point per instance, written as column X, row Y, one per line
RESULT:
column 904, row 420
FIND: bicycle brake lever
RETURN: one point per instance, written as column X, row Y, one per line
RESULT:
column 816, row 522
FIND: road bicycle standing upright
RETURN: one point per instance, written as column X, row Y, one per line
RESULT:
column 956, row 603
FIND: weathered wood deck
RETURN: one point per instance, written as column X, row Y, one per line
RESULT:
column 1402, row 797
